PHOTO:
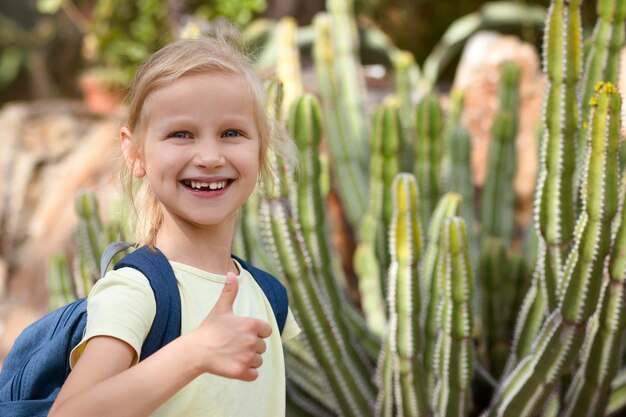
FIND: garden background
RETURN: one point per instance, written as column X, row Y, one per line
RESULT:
column 445, row 291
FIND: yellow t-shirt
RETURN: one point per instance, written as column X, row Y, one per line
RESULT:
column 122, row 305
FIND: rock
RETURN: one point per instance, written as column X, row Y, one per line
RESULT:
column 478, row 75
column 50, row 150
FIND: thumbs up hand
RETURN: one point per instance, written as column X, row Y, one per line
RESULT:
column 229, row 345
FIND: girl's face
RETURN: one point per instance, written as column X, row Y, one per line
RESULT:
column 201, row 147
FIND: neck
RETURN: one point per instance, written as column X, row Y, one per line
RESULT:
column 207, row 248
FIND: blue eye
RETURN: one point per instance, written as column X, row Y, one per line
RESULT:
column 231, row 133
column 181, row 134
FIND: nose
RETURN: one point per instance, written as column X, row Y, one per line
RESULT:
column 208, row 154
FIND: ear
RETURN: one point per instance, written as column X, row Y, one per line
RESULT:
column 133, row 160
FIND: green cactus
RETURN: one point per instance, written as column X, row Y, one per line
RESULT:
column 554, row 210
column 68, row 283
column 455, row 346
column 590, row 389
column 603, row 57
column 350, row 77
column 429, row 152
column 305, row 127
column 430, row 284
column 556, row 346
column 91, row 242
column 288, row 60
column 617, row 399
column 317, row 300
column 458, row 175
column 497, row 299
column 498, row 198
column 401, row 382
column 349, row 175
column 406, row 78
column 59, row 281
column 371, row 259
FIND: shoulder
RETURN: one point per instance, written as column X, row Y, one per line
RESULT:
column 122, row 280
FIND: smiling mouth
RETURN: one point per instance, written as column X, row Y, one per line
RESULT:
column 206, row 186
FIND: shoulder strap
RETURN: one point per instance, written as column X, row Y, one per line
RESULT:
column 274, row 290
column 155, row 266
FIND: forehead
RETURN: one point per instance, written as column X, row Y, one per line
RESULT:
column 202, row 93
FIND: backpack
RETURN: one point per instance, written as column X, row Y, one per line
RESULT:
column 38, row 363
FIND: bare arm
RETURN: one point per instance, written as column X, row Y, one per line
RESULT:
column 103, row 383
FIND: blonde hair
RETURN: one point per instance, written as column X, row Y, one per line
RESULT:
column 176, row 60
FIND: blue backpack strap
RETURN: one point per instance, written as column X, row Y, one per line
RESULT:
column 274, row 290
column 167, row 321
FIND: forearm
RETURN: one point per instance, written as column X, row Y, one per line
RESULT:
column 136, row 391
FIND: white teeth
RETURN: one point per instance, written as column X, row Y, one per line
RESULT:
column 212, row 186
column 217, row 185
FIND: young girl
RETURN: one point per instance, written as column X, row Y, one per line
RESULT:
column 197, row 135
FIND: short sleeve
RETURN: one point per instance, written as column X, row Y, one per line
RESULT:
column 291, row 328
column 120, row 305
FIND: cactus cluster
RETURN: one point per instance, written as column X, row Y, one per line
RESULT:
column 453, row 319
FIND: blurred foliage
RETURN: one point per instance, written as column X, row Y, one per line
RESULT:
column 239, row 12
column 39, row 54
column 46, row 44
column 122, row 34
column 417, row 25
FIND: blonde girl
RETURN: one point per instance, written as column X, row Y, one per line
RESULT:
column 197, row 137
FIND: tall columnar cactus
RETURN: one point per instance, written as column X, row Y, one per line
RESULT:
column 288, row 60
column 92, row 235
column 371, row 258
column 401, row 385
column 589, row 391
column 554, row 210
column 60, row 283
column 91, row 242
column 459, row 169
column 305, row 126
column 430, row 284
column 320, row 313
column 454, row 362
column 604, row 54
column 498, row 198
column 349, row 174
column 406, row 78
column 351, row 80
column 557, row 345
column 428, row 149
column 497, row 298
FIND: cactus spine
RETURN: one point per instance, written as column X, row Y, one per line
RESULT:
column 404, row 337
column 527, row 388
column 554, row 209
column 455, row 351
column 498, row 200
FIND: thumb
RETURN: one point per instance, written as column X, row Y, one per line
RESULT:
column 224, row 304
